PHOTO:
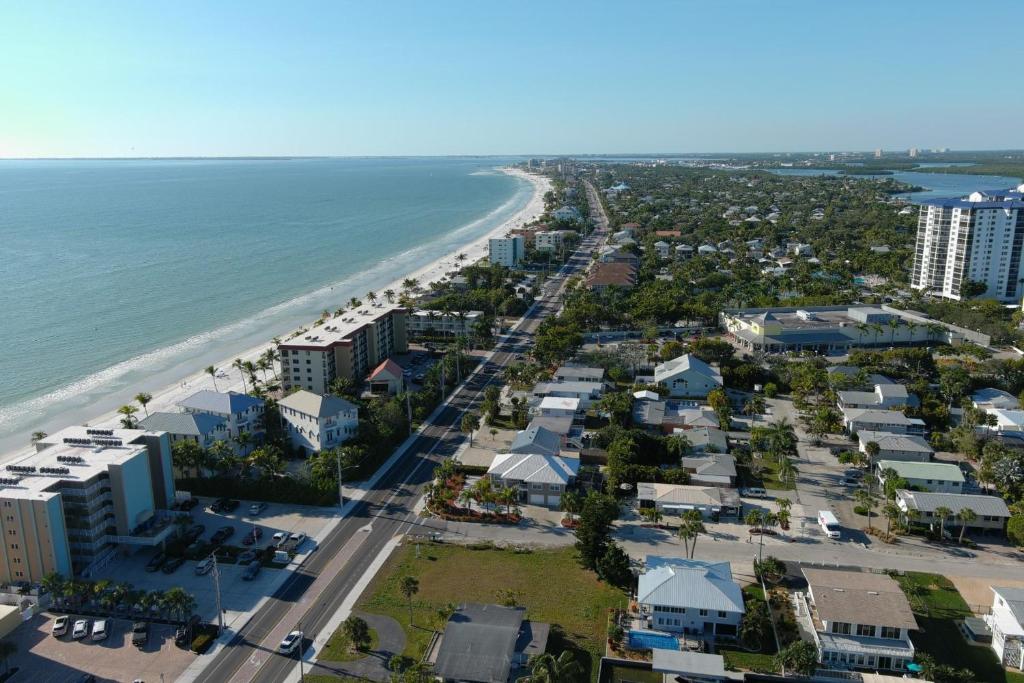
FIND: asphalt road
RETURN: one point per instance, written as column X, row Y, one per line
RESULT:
column 388, row 508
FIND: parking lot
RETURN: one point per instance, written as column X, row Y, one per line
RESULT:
column 42, row 658
column 237, row 596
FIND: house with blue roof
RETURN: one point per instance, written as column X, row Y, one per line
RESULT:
column 241, row 412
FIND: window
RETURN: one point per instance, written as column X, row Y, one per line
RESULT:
column 890, row 632
column 841, row 628
column 703, row 612
column 721, row 614
column 865, row 630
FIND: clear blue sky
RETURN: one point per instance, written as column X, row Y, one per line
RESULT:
column 480, row 77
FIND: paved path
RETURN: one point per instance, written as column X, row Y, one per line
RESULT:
column 374, row 667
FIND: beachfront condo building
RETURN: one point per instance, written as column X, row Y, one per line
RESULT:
column 978, row 238
column 425, row 322
column 348, row 345
column 74, row 501
column 506, row 251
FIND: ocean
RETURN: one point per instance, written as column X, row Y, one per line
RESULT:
column 125, row 275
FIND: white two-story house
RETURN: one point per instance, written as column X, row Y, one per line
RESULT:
column 539, row 479
column 687, row 376
column 1007, row 624
column 690, row 596
column 314, row 423
column 858, row 620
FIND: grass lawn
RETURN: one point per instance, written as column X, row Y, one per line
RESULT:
column 937, row 605
column 736, row 658
column 769, row 478
column 549, row 583
column 627, row 674
column 338, row 649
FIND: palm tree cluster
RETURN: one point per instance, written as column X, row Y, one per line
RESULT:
column 222, row 459
column 118, row 598
column 448, row 491
column 778, row 441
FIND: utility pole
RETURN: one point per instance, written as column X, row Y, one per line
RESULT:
column 341, row 487
column 408, row 410
column 216, row 586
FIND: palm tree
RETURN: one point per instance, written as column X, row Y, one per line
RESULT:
column 389, row 294
column 894, row 324
column 38, row 436
column 570, row 503
column 546, row 668
column 250, row 369
column 891, row 511
column 466, row 498
column 965, row 516
column 942, row 512
column 470, row 423
column 371, row 297
column 867, row 500
column 690, row 528
column 178, row 602
column 129, row 420
column 272, row 355
column 787, row 470
column 754, row 519
column 244, row 440
column 237, row 364
column 212, row 372
column 354, row 303
column 409, row 586
column 143, row 399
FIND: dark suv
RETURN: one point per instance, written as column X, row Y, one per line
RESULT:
column 140, row 633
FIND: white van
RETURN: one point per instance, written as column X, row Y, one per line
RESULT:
column 828, row 523
column 99, row 629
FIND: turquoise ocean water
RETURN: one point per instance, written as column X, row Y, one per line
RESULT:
column 121, row 276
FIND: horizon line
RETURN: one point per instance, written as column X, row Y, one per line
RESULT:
column 281, row 157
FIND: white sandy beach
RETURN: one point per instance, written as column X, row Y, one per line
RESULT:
column 229, row 379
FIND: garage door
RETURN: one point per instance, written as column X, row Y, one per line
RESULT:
column 538, row 499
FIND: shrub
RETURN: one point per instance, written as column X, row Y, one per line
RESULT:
column 201, row 643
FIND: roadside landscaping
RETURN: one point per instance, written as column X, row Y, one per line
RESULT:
column 339, row 647
column 549, row 583
column 937, row 605
column 737, row 658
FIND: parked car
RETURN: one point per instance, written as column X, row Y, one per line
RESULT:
column 851, row 481
column 222, row 534
column 255, row 534
column 231, row 505
column 99, row 629
column 753, row 492
column 80, row 630
column 290, row 642
column 219, row 505
column 251, row 570
column 204, row 566
column 296, row 539
column 195, row 531
column 155, row 562
column 189, row 504
column 172, row 565
column 246, row 557
column 140, row 633
column 279, row 538
column 853, row 474
column 60, row 626
column 257, row 508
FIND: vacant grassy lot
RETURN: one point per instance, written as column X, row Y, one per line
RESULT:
column 548, row 583
column 769, row 476
column 937, row 605
column 739, row 659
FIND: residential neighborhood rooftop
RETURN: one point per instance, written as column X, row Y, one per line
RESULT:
column 224, row 403
column 859, row 598
column 309, row 403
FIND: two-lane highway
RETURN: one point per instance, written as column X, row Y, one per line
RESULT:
column 384, row 512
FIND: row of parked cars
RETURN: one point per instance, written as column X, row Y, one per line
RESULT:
column 99, row 630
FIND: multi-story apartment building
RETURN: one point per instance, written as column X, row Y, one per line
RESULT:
column 348, row 345
column 506, row 251
column 314, row 422
column 551, row 240
column 74, row 499
column 978, row 238
column 452, row 324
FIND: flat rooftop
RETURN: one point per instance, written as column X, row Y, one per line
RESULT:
column 72, row 454
column 339, row 328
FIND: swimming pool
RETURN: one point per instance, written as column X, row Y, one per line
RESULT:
column 649, row 640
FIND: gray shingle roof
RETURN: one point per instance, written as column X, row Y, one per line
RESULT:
column 217, row 402
column 694, row 584
column 186, row 424
column 712, row 465
column 536, row 439
column 859, row 598
column 479, row 643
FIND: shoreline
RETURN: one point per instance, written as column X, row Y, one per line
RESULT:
column 177, row 387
